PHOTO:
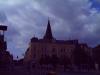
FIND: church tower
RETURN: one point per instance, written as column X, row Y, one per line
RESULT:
column 48, row 35
column 3, row 44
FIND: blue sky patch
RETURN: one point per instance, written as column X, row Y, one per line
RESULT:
column 95, row 4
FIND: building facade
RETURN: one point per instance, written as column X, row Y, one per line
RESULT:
column 49, row 46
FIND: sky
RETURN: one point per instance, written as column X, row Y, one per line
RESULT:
column 70, row 19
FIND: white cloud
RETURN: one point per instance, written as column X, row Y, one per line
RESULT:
column 12, row 2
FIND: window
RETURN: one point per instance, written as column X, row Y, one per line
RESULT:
column 62, row 50
column 34, row 55
column 53, row 50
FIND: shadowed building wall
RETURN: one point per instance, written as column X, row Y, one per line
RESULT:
column 49, row 46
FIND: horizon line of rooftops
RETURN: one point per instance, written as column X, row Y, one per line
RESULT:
column 48, row 37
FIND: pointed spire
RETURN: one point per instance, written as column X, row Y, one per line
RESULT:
column 48, row 34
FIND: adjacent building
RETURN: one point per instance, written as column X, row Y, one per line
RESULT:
column 5, row 56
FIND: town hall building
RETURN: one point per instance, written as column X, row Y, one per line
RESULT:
column 49, row 46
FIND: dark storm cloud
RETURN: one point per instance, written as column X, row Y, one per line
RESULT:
column 70, row 19
column 77, row 16
column 67, row 11
column 23, row 23
column 12, row 31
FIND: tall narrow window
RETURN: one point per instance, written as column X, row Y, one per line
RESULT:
column 53, row 50
column 34, row 52
column 63, row 50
